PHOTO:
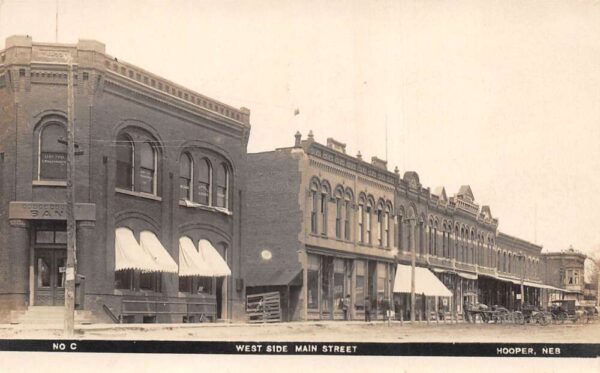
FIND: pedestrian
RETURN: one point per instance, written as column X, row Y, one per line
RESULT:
column 367, row 310
column 346, row 307
column 466, row 305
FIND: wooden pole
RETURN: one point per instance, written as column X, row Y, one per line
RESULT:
column 69, row 324
column 413, row 263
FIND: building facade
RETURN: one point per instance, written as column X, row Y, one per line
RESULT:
column 319, row 228
column 158, row 185
column 565, row 270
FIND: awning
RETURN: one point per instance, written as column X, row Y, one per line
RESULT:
column 191, row 263
column 212, row 257
column 130, row 255
column 425, row 282
column 277, row 277
column 150, row 243
column 467, row 275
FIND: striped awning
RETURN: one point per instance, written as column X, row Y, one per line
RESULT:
column 130, row 255
column 191, row 262
column 156, row 251
column 214, row 260
column 425, row 282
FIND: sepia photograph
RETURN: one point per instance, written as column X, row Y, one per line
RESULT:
column 344, row 178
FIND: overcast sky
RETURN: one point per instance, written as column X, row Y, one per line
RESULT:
column 501, row 95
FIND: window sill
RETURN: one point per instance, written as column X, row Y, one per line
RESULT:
column 136, row 292
column 50, row 183
column 190, row 204
column 138, row 194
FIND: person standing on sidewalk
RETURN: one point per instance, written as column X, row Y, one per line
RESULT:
column 367, row 310
column 346, row 307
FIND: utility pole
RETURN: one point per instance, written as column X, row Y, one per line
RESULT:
column 69, row 324
column 522, row 257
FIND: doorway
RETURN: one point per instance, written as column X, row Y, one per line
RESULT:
column 49, row 268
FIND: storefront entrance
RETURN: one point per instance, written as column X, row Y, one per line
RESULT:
column 50, row 276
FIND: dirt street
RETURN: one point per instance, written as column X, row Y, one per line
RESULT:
column 324, row 331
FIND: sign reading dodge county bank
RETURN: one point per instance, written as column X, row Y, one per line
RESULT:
column 50, row 211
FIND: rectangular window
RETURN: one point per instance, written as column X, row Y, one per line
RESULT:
column 381, row 280
column 338, row 219
column 221, row 197
column 184, row 188
column 338, row 283
column 203, row 285
column 146, row 180
column 124, row 279
column 379, row 228
column 368, row 225
column 360, row 284
column 313, row 281
column 326, row 269
column 313, row 214
column 347, row 221
column 53, row 165
column 361, row 217
column 150, row 281
column 324, row 213
column 203, row 193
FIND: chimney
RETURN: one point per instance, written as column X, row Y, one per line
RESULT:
column 298, row 137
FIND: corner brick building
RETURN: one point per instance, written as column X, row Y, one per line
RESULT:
column 565, row 269
column 319, row 229
column 158, row 188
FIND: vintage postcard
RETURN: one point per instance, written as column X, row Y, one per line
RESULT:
column 342, row 179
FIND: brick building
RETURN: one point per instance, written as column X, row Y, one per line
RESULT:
column 320, row 230
column 565, row 270
column 158, row 188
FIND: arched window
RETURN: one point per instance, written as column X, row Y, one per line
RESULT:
column 323, row 207
column 361, row 220
column 186, row 172
column 339, row 204
column 315, row 197
column 386, row 226
column 52, row 162
column 368, row 212
column 204, row 182
column 223, row 187
column 380, row 219
column 148, row 166
column 125, row 159
column 435, row 240
column 348, row 214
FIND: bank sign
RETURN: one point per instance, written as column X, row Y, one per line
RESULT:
column 49, row 211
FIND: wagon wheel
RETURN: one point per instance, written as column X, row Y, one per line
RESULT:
column 560, row 318
column 543, row 319
column 519, row 318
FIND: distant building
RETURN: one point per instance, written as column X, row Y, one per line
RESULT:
column 565, row 270
column 158, row 188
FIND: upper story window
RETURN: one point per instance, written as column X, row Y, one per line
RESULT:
column 148, row 168
column 339, row 204
column 223, row 187
column 205, row 182
column 186, row 175
column 125, row 165
column 380, row 218
column 52, row 162
column 323, row 207
column 386, row 226
column 348, row 214
column 368, row 212
column 361, row 220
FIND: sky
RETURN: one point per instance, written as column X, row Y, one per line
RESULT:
column 501, row 95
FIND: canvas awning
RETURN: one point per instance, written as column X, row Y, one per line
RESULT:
column 152, row 246
column 130, row 255
column 212, row 257
column 191, row 263
column 425, row 282
column 469, row 276
column 275, row 277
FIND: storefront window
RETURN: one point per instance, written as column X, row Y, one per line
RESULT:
column 124, row 280
column 313, row 281
column 326, row 268
column 381, row 279
column 338, row 283
column 150, row 281
column 360, row 284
